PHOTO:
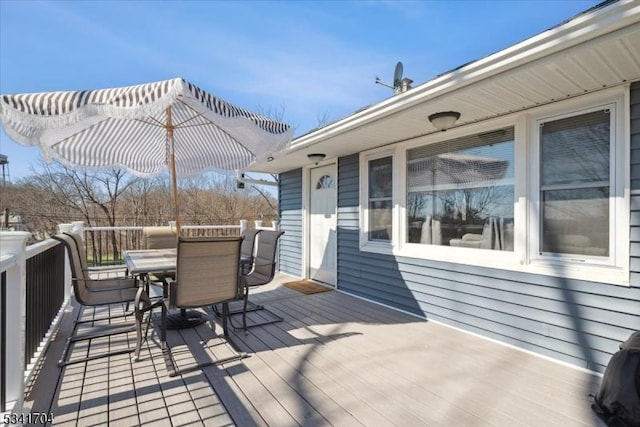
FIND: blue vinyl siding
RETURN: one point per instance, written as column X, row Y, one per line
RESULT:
column 290, row 208
column 576, row 321
column 579, row 322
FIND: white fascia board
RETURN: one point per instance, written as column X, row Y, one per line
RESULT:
column 579, row 30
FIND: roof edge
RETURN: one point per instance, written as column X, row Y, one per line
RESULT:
column 584, row 27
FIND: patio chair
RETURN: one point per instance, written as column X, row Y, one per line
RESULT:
column 96, row 293
column 207, row 273
column 120, row 281
column 247, row 250
column 262, row 273
column 159, row 238
column 247, row 253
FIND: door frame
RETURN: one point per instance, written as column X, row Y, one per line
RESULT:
column 306, row 212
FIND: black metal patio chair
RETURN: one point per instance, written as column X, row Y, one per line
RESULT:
column 90, row 292
column 207, row 273
column 262, row 273
column 120, row 281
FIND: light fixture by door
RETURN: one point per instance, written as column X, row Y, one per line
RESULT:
column 316, row 157
column 444, row 120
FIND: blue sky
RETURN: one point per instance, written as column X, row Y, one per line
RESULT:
column 301, row 60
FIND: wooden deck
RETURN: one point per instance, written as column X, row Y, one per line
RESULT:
column 335, row 360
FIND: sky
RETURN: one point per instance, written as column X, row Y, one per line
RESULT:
column 303, row 62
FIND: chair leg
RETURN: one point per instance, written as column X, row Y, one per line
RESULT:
column 163, row 327
column 246, row 309
column 100, row 332
column 173, row 371
column 143, row 305
column 225, row 317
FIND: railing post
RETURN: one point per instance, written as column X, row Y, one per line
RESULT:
column 276, row 224
column 14, row 243
column 78, row 227
column 243, row 225
column 63, row 228
column 258, row 224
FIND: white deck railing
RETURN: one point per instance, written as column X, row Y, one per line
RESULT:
column 14, row 256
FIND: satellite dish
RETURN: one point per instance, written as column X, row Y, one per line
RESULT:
column 397, row 80
column 397, row 77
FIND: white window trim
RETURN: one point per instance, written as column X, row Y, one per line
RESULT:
column 460, row 255
column 377, row 246
column 523, row 258
column 615, row 268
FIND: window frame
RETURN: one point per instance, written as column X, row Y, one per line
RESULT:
column 379, row 246
column 510, row 181
column 618, row 197
column 524, row 258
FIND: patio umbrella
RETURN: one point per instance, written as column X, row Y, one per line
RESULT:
column 169, row 125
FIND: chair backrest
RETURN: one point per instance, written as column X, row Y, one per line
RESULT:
column 207, row 271
column 79, row 274
column 248, row 243
column 265, row 261
column 158, row 238
column 80, row 247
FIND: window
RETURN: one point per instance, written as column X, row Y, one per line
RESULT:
column 461, row 192
column 380, row 199
column 544, row 191
column 324, row 182
column 575, row 184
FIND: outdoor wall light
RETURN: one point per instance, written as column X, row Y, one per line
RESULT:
column 444, row 120
column 316, row 157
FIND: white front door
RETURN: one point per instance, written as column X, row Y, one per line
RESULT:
column 322, row 224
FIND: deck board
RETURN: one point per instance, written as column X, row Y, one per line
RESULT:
column 334, row 360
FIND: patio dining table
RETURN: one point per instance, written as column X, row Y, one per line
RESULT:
column 144, row 262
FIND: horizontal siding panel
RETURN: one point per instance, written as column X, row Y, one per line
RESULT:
column 563, row 350
column 290, row 209
column 291, row 252
column 513, row 283
column 348, row 181
column 534, row 294
column 292, row 233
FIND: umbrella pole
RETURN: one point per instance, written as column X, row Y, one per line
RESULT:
column 174, row 183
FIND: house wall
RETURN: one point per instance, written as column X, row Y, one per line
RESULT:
column 635, row 185
column 290, row 208
column 576, row 321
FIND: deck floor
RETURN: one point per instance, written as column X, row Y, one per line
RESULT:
column 335, row 360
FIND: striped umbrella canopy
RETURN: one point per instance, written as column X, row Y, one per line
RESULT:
column 169, row 125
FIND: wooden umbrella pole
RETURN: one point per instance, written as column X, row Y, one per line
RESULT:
column 174, row 180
